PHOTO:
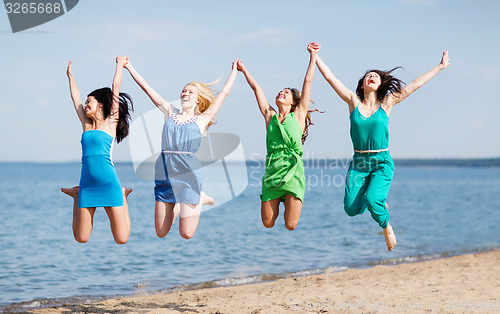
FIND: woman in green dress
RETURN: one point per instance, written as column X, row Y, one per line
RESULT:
column 284, row 179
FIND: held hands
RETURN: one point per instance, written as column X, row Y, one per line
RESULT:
column 445, row 60
column 121, row 61
column 240, row 66
column 235, row 64
column 313, row 47
column 128, row 64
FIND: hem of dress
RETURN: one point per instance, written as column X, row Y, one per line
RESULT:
column 91, row 205
column 177, row 201
column 269, row 198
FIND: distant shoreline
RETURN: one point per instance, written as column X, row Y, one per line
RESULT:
column 327, row 162
column 417, row 162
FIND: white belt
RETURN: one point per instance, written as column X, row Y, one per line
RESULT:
column 371, row 151
column 175, row 152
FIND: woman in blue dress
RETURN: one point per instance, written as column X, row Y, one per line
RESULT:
column 105, row 118
column 178, row 177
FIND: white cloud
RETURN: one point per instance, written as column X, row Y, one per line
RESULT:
column 6, row 109
column 418, row 2
column 478, row 74
column 479, row 121
column 489, row 73
column 44, row 103
column 30, row 85
column 137, row 32
column 484, row 73
column 266, row 36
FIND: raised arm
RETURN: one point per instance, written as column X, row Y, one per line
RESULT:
column 266, row 109
column 117, row 82
column 395, row 98
column 346, row 94
column 75, row 96
column 305, row 95
column 212, row 111
column 159, row 102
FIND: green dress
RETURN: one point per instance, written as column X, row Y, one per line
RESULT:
column 284, row 166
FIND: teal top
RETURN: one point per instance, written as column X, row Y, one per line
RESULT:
column 370, row 133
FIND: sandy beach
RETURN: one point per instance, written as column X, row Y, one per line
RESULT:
column 459, row 284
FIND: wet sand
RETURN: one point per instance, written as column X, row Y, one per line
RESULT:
column 459, row 284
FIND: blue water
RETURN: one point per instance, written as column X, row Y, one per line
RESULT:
column 434, row 211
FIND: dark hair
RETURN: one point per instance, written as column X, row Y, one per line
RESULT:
column 105, row 96
column 296, row 100
column 389, row 84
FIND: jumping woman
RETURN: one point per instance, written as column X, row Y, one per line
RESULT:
column 105, row 118
column 178, row 173
column 371, row 169
column 284, row 178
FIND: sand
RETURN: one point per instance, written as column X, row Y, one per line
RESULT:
column 459, row 284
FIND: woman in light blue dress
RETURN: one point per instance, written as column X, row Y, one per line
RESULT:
column 104, row 117
column 178, row 178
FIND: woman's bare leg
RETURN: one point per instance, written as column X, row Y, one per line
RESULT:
column 83, row 218
column 293, row 207
column 188, row 222
column 165, row 214
column 119, row 219
column 269, row 211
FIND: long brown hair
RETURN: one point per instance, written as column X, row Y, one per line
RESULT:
column 389, row 84
column 296, row 100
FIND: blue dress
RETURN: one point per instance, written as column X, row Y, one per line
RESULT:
column 178, row 174
column 99, row 184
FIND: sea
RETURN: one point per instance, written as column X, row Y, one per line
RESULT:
column 437, row 210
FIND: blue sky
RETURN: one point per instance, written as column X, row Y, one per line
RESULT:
column 173, row 42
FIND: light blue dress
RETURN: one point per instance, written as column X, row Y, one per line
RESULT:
column 178, row 174
column 99, row 184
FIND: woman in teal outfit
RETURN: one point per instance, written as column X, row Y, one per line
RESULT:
column 105, row 117
column 371, row 169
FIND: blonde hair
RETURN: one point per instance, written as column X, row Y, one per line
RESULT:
column 206, row 96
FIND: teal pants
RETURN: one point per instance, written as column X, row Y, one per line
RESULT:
column 367, row 185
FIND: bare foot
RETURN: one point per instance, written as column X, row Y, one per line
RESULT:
column 205, row 199
column 390, row 238
column 126, row 191
column 73, row 192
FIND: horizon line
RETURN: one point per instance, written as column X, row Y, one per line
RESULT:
column 328, row 159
